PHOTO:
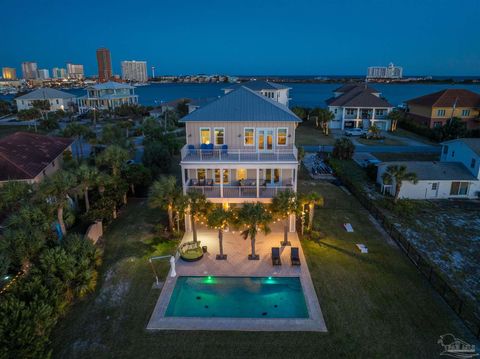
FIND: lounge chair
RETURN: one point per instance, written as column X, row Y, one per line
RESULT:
column 276, row 261
column 294, row 256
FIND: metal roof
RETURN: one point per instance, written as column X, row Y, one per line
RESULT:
column 435, row 171
column 45, row 93
column 258, row 86
column 242, row 104
column 473, row 143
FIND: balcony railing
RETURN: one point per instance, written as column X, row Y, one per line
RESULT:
column 239, row 155
column 238, row 191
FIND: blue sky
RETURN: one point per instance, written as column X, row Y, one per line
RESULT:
column 294, row 37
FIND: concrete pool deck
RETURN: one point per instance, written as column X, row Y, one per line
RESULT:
column 237, row 265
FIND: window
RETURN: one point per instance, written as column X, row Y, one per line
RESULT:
column 335, row 111
column 465, row 113
column 350, row 111
column 437, row 124
column 459, row 189
column 217, row 176
column 276, row 175
column 249, row 137
column 205, row 135
column 201, row 174
column 473, row 163
column 282, row 136
column 440, row 113
column 445, row 149
column 380, row 112
column 57, row 101
column 434, row 186
column 219, row 134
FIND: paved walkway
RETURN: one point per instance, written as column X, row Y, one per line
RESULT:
column 238, row 265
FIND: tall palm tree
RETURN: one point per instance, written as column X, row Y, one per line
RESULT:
column 13, row 193
column 396, row 174
column 56, row 188
column 220, row 218
column 163, row 194
column 256, row 217
column 323, row 118
column 284, row 204
column 114, row 158
column 312, row 199
column 197, row 204
column 87, row 177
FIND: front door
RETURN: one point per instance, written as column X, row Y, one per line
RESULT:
column 265, row 139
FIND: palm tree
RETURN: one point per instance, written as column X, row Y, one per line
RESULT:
column 126, row 125
column 312, row 199
column 163, row 194
column 78, row 132
column 114, row 158
column 396, row 174
column 220, row 218
column 56, row 188
column 284, row 204
column 87, row 177
column 197, row 204
column 343, row 149
column 256, row 217
column 13, row 193
column 324, row 116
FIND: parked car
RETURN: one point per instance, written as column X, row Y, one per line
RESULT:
column 355, row 132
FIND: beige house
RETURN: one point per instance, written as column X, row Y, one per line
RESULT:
column 240, row 148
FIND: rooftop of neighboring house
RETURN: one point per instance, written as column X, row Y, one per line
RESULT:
column 257, row 86
column 45, row 93
column 473, row 143
column 25, row 155
column 435, row 171
column 358, row 96
column 448, row 98
column 242, row 104
column 110, row 85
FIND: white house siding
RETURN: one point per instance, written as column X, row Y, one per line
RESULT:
column 423, row 190
column 458, row 151
column 55, row 104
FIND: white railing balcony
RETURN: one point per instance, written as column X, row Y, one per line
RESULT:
column 192, row 154
column 227, row 191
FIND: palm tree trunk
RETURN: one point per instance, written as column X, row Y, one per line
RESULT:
column 397, row 192
column 60, row 220
column 220, row 242
column 171, row 225
column 132, row 188
column 311, row 212
column 87, row 200
column 252, row 242
column 285, row 231
column 194, row 229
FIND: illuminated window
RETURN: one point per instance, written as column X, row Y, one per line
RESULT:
column 217, row 176
column 219, row 134
column 282, row 136
column 459, row 189
column 465, row 113
column 205, row 135
column 440, row 113
column 201, row 174
column 249, row 136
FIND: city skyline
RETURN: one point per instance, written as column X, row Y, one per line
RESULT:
column 284, row 38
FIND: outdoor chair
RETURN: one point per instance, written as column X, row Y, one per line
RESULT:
column 294, row 256
column 191, row 149
column 224, row 149
column 276, row 261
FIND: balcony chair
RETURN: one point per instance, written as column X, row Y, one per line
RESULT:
column 224, row 149
column 191, row 149
column 206, row 149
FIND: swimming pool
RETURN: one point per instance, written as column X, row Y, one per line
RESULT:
column 238, row 297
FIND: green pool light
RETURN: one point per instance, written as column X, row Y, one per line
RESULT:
column 270, row 278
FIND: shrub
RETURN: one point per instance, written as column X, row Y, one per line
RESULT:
column 343, row 149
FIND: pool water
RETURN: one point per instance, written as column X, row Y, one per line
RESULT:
column 238, row 297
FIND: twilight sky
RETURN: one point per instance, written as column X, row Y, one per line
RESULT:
column 284, row 37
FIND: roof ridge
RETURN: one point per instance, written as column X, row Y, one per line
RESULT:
column 14, row 164
column 444, row 92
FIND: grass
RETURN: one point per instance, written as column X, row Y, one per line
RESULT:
column 400, row 132
column 375, row 305
column 384, row 142
column 308, row 134
column 408, row 156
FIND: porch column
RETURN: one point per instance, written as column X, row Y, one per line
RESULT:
column 343, row 118
column 221, row 182
column 373, row 114
column 184, row 187
column 295, row 174
column 258, row 183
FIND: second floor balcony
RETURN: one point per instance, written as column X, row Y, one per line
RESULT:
column 209, row 153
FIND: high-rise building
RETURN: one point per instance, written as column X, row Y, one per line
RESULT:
column 59, row 73
column 29, row 70
column 43, row 74
column 104, row 64
column 9, row 73
column 134, row 71
column 382, row 72
column 75, row 71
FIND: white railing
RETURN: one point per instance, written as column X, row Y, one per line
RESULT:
column 240, row 155
column 238, row 191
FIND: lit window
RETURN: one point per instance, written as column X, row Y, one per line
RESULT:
column 205, row 135
column 276, row 175
column 465, row 113
column 201, row 174
column 440, row 113
column 459, row 189
column 217, row 176
column 219, row 134
column 282, row 136
column 249, row 136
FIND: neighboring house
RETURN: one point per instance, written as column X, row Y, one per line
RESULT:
column 107, row 96
column 268, row 89
column 31, row 157
column 457, row 175
column 58, row 100
column 240, row 148
column 434, row 109
column 359, row 106
column 168, row 106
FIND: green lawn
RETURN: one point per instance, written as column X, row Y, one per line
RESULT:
column 400, row 132
column 308, row 134
column 375, row 305
column 384, row 142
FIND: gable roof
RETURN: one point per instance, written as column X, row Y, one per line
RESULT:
column 435, row 171
column 45, row 93
column 257, row 86
column 110, row 85
column 24, row 155
column 242, row 104
column 473, row 143
column 447, row 98
column 349, row 87
column 358, row 96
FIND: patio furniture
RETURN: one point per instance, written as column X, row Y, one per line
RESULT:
column 194, row 182
column 294, row 256
column 209, row 182
column 190, row 251
column 207, row 149
column 224, row 149
column 191, row 149
column 276, row 261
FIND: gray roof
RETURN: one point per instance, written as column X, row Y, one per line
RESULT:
column 45, row 93
column 242, row 104
column 110, row 85
column 358, row 96
column 435, row 171
column 348, row 87
column 473, row 143
column 258, row 86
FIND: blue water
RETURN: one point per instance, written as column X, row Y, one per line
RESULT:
column 238, row 297
column 308, row 95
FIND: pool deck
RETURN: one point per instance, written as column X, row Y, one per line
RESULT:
column 238, row 265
